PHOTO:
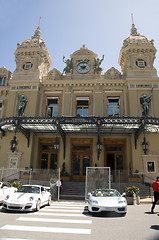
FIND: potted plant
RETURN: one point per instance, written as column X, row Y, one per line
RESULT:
column 64, row 174
column 131, row 193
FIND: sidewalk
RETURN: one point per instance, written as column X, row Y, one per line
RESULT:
column 146, row 200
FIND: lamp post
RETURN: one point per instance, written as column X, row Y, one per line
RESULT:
column 145, row 145
column 56, row 145
column 13, row 144
column 99, row 146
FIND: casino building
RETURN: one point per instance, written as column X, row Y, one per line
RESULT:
column 81, row 117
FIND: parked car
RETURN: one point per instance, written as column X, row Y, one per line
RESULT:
column 6, row 189
column 107, row 200
column 28, row 198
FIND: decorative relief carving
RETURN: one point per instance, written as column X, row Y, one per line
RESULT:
column 112, row 73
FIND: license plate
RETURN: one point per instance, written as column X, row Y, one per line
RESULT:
column 14, row 205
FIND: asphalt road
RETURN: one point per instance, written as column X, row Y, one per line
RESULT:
column 70, row 221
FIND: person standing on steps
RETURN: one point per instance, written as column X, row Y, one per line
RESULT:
column 155, row 187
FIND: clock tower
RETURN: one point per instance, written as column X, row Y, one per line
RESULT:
column 83, row 63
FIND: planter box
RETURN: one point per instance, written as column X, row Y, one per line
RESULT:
column 65, row 178
column 131, row 202
column 134, row 180
column 25, row 176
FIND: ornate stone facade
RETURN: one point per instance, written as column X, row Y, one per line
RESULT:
column 80, row 94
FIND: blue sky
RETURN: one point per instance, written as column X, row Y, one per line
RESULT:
column 68, row 24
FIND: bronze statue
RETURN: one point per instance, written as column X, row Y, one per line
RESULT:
column 22, row 104
column 68, row 67
column 145, row 102
column 97, row 63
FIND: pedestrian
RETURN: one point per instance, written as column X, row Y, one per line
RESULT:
column 155, row 187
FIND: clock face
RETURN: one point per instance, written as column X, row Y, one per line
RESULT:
column 83, row 67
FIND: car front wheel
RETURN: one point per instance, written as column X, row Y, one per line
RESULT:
column 38, row 205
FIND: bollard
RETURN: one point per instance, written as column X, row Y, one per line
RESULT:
column 134, row 199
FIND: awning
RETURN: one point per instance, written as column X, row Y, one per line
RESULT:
column 100, row 126
column 81, row 125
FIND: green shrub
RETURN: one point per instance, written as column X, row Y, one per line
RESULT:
column 16, row 184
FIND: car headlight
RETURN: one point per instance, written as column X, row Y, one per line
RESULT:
column 93, row 201
column 31, row 198
column 7, row 197
column 121, row 201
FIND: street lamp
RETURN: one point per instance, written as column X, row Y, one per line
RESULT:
column 145, row 145
column 99, row 146
column 56, row 145
column 13, row 144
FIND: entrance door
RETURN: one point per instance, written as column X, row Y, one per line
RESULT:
column 48, row 161
column 115, row 162
column 81, row 160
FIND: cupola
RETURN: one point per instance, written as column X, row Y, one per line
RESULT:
column 137, row 55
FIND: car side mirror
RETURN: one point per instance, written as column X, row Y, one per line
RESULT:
column 123, row 195
column 89, row 194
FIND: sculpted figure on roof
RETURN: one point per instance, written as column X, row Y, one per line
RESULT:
column 68, row 67
column 97, row 63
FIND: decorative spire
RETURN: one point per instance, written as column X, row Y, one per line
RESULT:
column 37, row 31
column 133, row 28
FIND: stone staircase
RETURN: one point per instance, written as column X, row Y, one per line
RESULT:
column 73, row 191
column 76, row 190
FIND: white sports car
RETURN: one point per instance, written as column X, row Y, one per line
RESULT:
column 28, row 198
column 107, row 200
column 6, row 189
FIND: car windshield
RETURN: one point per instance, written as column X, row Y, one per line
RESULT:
column 29, row 189
column 106, row 193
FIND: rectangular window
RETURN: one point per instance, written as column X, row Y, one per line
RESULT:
column 2, row 81
column 82, row 108
column 52, row 107
column 150, row 166
column 113, row 106
column 1, row 105
column 13, row 163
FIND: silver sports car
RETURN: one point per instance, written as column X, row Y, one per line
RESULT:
column 107, row 200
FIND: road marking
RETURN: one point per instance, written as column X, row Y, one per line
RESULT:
column 15, row 239
column 56, row 206
column 54, row 220
column 60, row 210
column 59, row 214
column 70, row 205
column 46, row 229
